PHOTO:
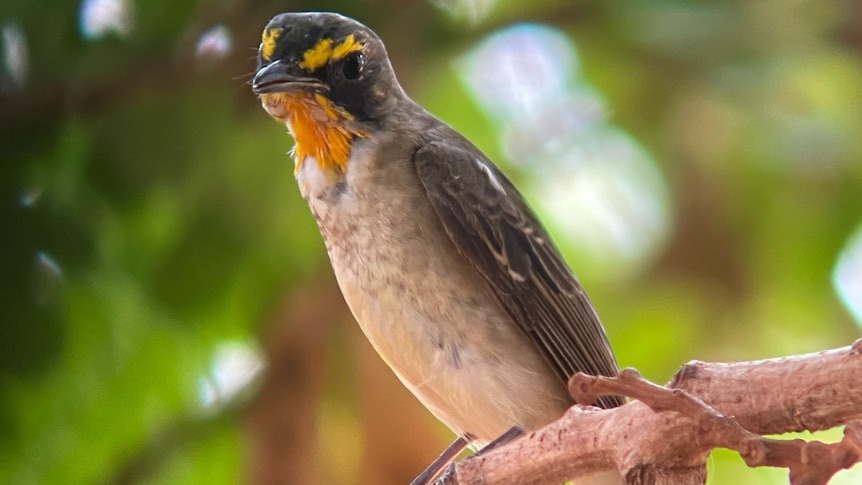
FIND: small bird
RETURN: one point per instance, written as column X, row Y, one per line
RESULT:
column 444, row 266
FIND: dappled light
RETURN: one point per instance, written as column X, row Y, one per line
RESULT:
column 48, row 279
column 472, row 11
column 215, row 43
column 15, row 58
column 598, row 187
column 235, row 368
column 99, row 18
column 847, row 276
column 168, row 311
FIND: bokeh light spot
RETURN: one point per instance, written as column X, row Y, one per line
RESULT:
column 48, row 278
column 215, row 43
column 847, row 276
column 594, row 183
column 99, row 18
column 472, row 11
column 15, row 64
column 29, row 198
column 235, row 368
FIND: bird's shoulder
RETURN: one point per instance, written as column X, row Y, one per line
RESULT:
column 484, row 213
column 491, row 225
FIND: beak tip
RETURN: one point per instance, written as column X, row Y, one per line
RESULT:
column 278, row 76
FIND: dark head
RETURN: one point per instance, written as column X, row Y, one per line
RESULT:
column 326, row 54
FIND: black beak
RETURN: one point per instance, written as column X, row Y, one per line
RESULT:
column 279, row 77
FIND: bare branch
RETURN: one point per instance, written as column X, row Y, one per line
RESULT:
column 666, row 435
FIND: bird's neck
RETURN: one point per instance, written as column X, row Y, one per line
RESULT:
column 320, row 129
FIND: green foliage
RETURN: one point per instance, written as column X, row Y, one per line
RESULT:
column 149, row 212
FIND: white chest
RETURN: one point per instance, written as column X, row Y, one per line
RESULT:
column 428, row 313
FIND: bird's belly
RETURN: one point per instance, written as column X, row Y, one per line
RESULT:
column 450, row 343
column 431, row 316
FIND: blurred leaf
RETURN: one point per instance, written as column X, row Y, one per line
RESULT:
column 148, row 213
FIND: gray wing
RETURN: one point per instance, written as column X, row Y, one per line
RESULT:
column 490, row 224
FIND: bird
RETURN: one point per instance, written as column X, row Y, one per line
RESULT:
column 446, row 269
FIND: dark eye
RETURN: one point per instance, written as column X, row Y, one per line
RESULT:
column 352, row 65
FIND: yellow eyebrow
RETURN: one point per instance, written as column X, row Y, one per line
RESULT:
column 346, row 46
column 317, row 56
column 323, row 52
column 267, row 42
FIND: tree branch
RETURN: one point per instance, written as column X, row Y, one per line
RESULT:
column 666, row 434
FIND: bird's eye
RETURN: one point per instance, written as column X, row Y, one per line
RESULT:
column 352, row 66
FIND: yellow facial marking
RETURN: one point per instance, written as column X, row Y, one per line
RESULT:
column 317, row 56
column 323, row 52
column 267, row 42
column 346, row 46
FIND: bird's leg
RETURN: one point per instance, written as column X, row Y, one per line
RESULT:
column 427, row 475
column 514, row 433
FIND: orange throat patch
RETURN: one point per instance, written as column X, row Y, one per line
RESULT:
column 319, row 128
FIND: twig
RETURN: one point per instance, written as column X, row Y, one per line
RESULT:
column 666, row 434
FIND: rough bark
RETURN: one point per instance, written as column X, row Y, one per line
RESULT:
column 665, row 434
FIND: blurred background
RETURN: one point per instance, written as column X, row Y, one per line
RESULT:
column 168, row 312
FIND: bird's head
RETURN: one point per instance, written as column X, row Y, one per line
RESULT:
column 328, row 77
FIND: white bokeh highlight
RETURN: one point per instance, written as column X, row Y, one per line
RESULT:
column 216, row 43
column 99, row 18
column 847, row 275
column 236, row 367
column 15, row 56
column 595, row 185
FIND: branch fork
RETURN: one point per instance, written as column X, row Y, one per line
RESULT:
column 665, row 434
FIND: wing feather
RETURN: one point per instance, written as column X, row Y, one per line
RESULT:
column 492, row 227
